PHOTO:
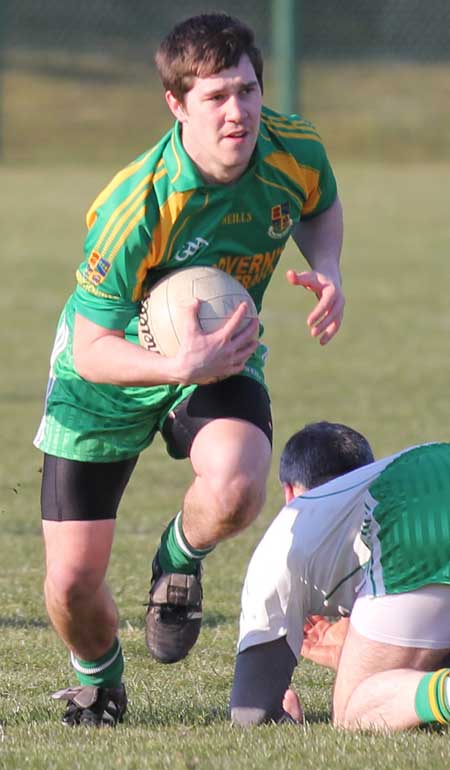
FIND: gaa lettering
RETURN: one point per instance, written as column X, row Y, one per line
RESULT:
column 190, row 249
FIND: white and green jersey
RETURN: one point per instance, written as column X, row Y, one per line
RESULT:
column 158, row 215
column 385, row 525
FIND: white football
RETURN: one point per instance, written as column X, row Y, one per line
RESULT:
column 160, row 320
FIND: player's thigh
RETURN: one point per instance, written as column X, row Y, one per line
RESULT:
column 225, row 428
column 79, row 503
column 82, row 491
column 410, row 630
column 226, row 449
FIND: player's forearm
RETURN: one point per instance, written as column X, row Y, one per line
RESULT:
column 262, row 675
column 103, row 355
column 320, row 240
column 113, row 360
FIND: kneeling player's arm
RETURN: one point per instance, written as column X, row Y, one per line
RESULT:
column 262, row 675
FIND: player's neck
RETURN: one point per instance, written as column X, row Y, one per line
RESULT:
column 212, row 171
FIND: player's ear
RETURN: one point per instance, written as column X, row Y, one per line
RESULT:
column 175, row 106
column 289, row 494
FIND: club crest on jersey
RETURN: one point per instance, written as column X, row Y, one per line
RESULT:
column 281, row 221
column 97, row 268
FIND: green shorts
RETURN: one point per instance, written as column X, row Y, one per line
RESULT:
column 105, row 423
column 407, row 522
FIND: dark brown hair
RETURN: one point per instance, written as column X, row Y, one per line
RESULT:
column 202, row 46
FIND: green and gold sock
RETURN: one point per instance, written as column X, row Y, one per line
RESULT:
column 431, row 703
column 105, row 672
column 175, row 553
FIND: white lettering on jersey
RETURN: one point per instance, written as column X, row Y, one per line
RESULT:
column 190, row 249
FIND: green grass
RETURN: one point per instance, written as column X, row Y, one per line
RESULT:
column 387, row 374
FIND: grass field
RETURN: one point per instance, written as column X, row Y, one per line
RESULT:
column 387, row 374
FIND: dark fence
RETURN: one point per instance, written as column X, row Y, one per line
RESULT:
column 409, row 29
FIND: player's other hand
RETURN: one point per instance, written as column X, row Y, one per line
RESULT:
column 323, row 641
column 207, row 357
column 292, row 706
column 326, row 318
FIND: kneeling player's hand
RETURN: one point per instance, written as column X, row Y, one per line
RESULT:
column 323, row 641
column 292, row 705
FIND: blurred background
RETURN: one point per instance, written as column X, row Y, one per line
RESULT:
column 78, row 81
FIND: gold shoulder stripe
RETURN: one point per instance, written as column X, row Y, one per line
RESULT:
column 130, row 203
column 305, row 176
column 140, row 214
column 284, row 122
column 295, row 135
column 312, row 202
column 114, row 184
column 176, row 232
column 168, row 215
column 286, row 190
column 176, row 156
column 295, row 130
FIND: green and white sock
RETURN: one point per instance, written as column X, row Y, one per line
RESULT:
column 175, row 553
column 104, row 672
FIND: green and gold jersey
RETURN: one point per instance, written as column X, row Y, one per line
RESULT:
column 155, row 216
column 158, row 214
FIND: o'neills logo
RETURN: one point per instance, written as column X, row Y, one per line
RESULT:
column 146, row 337
column 281, row 221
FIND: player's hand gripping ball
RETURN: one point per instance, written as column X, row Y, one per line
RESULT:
column 161, row 313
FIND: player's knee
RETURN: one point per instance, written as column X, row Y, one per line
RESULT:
column 241, row 499
column 338, row 716
column 72, row 586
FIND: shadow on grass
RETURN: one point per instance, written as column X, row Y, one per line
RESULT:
column 13, row 622
column 158, row 716
column 191, row 717
column 214, row 619
column 318, row 717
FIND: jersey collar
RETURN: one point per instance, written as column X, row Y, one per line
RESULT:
column 183, row 172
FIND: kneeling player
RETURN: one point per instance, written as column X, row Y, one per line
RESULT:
column 360, row 538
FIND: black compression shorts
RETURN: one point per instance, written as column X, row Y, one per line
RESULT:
column 90, row 491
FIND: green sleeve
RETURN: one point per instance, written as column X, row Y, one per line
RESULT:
column 109, row 312
column 111, row 277
column 326, row 191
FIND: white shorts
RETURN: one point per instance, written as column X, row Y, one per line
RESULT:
column 419, row 618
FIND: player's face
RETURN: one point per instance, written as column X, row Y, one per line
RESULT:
column 220, row 119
